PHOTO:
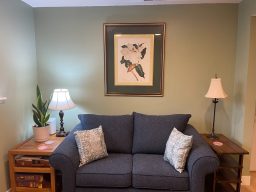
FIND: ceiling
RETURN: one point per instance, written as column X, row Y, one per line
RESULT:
column 85, row 3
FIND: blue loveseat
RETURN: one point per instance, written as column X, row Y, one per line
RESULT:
column 136, row 145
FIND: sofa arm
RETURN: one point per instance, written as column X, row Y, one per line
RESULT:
column 201, row 161
column 66, row 159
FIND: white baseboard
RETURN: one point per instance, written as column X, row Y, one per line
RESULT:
column 246, row 180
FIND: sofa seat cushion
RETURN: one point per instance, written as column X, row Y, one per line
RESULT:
column 150, row 171
column 113, row 171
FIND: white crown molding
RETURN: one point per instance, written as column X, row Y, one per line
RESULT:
column 90, row 3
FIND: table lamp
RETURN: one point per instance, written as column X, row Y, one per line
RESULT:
column 215, row 92
column 61, row 100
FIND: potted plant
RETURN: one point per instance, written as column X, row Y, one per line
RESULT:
column 40, row 117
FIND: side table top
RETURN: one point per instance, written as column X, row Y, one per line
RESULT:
column 228, row 147
column 31, row 147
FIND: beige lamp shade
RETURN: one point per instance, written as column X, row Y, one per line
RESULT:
column 216, row 89
column 61, row 100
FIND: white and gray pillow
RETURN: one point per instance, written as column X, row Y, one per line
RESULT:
column 91, row 145
column 177, row 149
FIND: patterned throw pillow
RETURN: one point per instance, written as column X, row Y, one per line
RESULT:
column 91, row 145
column 177, row 149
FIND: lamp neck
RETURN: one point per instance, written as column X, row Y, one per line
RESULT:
column 61, row 114
column 215, row 100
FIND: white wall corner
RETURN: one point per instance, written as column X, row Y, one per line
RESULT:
column 246, row 180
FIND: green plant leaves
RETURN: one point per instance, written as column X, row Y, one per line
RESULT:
column 40, row 110
column 37, row 122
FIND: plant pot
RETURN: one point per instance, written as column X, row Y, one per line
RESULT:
column 41, row 134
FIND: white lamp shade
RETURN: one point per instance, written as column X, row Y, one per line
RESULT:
column 61, row 100
column 216, row 90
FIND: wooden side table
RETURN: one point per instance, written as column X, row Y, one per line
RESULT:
column 30, row 147
column 228, row 176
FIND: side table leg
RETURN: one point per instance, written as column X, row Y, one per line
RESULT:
column 11, row 171
column 214, row 182
column 238, row 185
column 53, row 184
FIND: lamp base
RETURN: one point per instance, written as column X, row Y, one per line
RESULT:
column 213, row 136
column 62, row 134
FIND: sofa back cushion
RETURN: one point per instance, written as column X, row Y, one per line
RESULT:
column 118, row 130
column 151, row 132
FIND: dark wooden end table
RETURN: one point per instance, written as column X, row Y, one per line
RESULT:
column 228, row 176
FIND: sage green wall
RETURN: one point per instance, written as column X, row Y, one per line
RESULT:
column 245, row 78
column 18, row 77
column 200, row 41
